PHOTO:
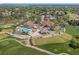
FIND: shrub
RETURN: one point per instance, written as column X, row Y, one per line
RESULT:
column 0, row 29
column 74, row 43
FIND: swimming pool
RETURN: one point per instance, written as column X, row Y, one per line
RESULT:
column 26, row 30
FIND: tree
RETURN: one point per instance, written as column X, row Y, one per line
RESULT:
column 74, row 43
column 70, row 16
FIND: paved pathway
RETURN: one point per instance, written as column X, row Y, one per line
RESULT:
column 36, row 48
column 41, row 50
column 3, row 32
column 19, row 36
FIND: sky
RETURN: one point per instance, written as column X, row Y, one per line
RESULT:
column 39, row 1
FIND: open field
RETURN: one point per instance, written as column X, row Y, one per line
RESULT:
column 54, row 39
column 11, row 47
column 60, row 48
column 3, row 36
column 72, row 30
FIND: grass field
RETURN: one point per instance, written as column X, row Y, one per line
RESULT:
column 54, row 39
column 73, row 30
column 60, row 48
column 8, row 46
column 3, row 36
column 11, row 47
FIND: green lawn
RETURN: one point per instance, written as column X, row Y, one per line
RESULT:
column 2, row 36
column 8, row 46
column 73, row 30
column 60, row 48
column 54, row 39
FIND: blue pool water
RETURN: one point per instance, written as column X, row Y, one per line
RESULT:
column 26, row 30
